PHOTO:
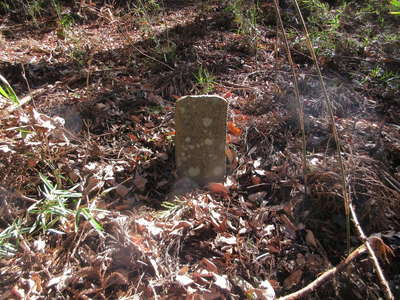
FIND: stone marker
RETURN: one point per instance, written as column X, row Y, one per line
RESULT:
column 200, row 138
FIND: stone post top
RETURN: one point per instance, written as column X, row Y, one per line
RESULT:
column 201, row 97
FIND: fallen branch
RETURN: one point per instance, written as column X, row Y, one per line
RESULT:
column 326, row 276
column 372, row 255
column 346, row 196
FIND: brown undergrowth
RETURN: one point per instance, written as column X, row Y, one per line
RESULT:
column 101, row 120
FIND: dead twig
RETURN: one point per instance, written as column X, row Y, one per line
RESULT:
column 299, row 103
column 347, row 199
column 372, row 255
column 328, row 275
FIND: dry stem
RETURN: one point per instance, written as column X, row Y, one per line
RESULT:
column 332, row 272
column 347, row 199
column 300, row 106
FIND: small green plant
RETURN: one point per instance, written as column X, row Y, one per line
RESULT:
column 376, row 72
column 204, row 80
column 379, row 76
column 34, row 9
column 334, row 21
column 78, row 53
column 57, row 207
column 172, row 208
column 7, row 91
column 244, row 16
column 4, row 6
column 313, row 5
column 65, row 20
column 31, row 9
column 165, row 50
column 10, row 237
column 324, row 41
column 59, row 211
column 145, row 11
column 392, row 37
column 395, row 9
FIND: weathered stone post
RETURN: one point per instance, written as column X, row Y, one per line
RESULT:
column 200, row 138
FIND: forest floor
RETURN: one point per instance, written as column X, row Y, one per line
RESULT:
column 90, row 205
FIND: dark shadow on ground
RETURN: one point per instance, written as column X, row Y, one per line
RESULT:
column 173, row 47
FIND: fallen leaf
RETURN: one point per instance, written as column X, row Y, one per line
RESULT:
column 39, row 245
column 383, row 251
column 183, row 280
column 149, row 124
column 289, row 224
column 210, row 266
column 155, row 267
column 222, row 282
column 135, row 118
column 228, row 95
column 149, row 226
column 257, row 196
column 293, row 279
column 266, row 285
column 140, row 182
column 233, row 129
column 230, row 154
column 183, row 270
column 310, row 239
column 38, row 282
column 122, row 190
column 273, row 249
column 234, row 139
column 162, row 155
column 218, row 188
column 222, row 240
column 228, row 139
column 255, row 180
column 241, row 117
column 5, row 148
column 170, row 133
column 132, row 137
column 32, row 163
column 264, row 292
column 182, row 224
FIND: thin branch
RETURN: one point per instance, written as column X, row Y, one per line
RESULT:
column 347, row 199
column 329, row 105
column 328, row 275
column 324, row 277
column 300, row 105
column 372, row 255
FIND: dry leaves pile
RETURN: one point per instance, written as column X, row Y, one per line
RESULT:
column 109, row 131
